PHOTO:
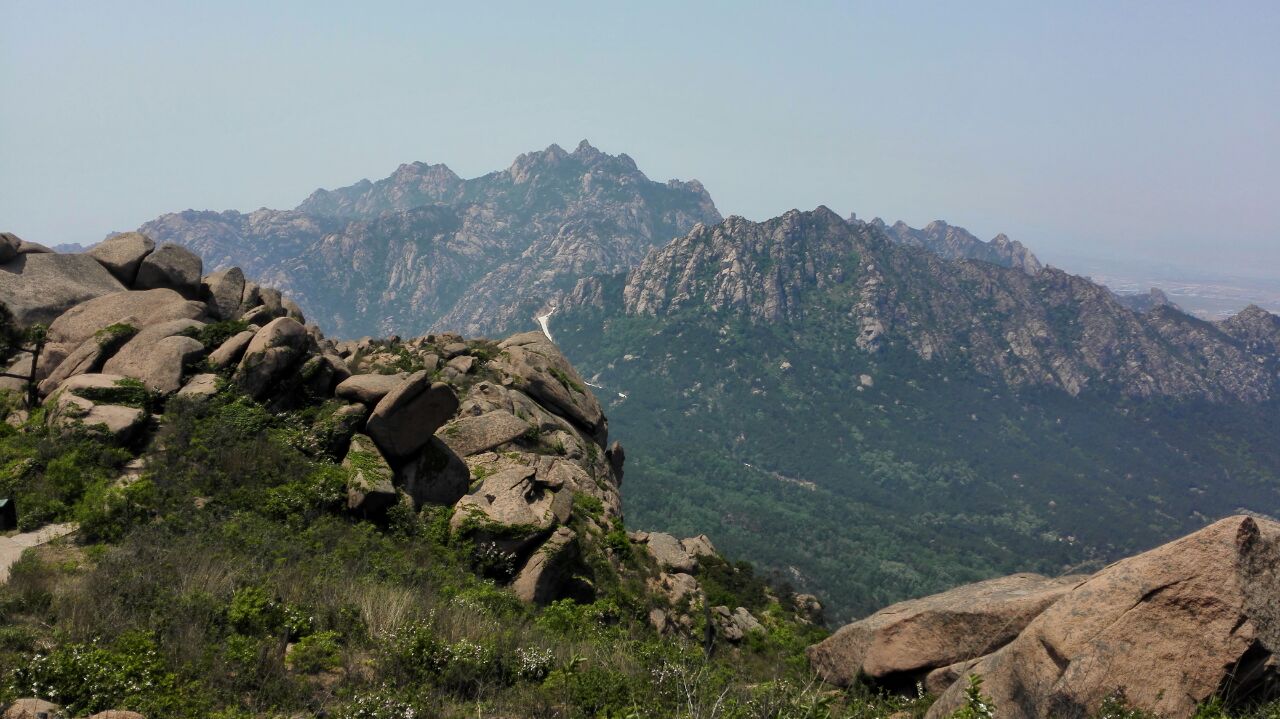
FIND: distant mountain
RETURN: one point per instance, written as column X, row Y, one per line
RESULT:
column 956, row 243
column 425, row 249
column 873, row 421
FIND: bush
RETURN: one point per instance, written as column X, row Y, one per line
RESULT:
column 315, row 653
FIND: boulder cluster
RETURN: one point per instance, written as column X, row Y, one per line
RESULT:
column 505, row 432
column 1163, row 631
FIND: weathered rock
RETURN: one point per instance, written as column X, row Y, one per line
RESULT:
column 273, row 352
column 616, row 456
column 471, row 435
column 151, row 307
column 85, row 401
column 547, row 376
column 669, row 554
column 26, row 247
column 548, row 572
column 511, row 509
column 291, row 309
column 92, row 353
column 9, row 243
column 675, row 587
column 699, row 546
column 737, row 624
column 808, row 608
column 231, row 350
column 31, row 708
column 40, row 287
column 222, row 291
column 435, row 475
column 371, row 490
column 1169, row 628
column 157, row 355
column 369, row 389
column 251, row 298
column 122, row 255
column 117, row 714
column 404, row 420
column 905, row 641
column 321, row 373
column 462, row 364
column 454, row 349
column 173, row 267
column 201, row 385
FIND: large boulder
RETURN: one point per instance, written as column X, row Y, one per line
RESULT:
column 1168, row 629
column 369, row 389
column 222, row 291
column 148, row 308
column 92, row 353
column 31, row 708
column 158, row 355
column 371, row 490
column 512, row 510
column 271, row 355
column 549, row 572
column 543, row 373
column 404, row 420
column 122, row 255
column 9, row 244
column 435, row 475
column 91, row 401
column 231, row 350
column 173, row 267
column 471, row 435
column 670, row 553
column 901, row 643
column 40, row 287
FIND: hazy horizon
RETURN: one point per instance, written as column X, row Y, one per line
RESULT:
column 1131, row 133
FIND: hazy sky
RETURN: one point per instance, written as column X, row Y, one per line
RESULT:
column 1129, row 128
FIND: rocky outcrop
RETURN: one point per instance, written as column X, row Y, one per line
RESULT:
column 95, row 403
column 41, row 286
column 123, row 254
column 1166, row 630
column 956, row 243
column 479, row 255
column 900, row 644
column 404, row 420
column 172, row 267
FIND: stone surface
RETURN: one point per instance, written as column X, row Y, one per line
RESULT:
column 123, row 254
column 9, row 243
column 369, row 389
column 699, row 546
column 435, row 475
column 222, row 291
column 919, row 635
column 40, row 287
column 158, row 355
column 69, row 410
column 31, row 708
column 511, row 509
column 548, row 571
column 172, row 267
column 1170, row 628
column 91, row 354
column 371, row 490
column 151, row 307
column 404, row 420
column 669, row 553
column 201, row 385
column 549, row 378
column 231, row 350
column 275, row 350
column 471, row 435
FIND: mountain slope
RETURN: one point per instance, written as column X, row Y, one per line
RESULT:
column 425, row 249
column 875, row 422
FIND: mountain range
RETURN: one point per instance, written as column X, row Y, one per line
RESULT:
column 869, row 410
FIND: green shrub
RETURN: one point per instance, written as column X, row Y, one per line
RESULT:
column 214, row 334
column 315, row 653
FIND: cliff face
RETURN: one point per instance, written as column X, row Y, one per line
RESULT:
column 425, row 249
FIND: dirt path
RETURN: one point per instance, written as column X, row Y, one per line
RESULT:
column 11, row 548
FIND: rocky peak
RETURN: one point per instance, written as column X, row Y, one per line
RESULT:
column 411, row 185
column 953, row 243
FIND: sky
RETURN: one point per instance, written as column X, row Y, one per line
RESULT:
column 1134, row 130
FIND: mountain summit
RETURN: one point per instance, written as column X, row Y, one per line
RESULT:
column 424, row 248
